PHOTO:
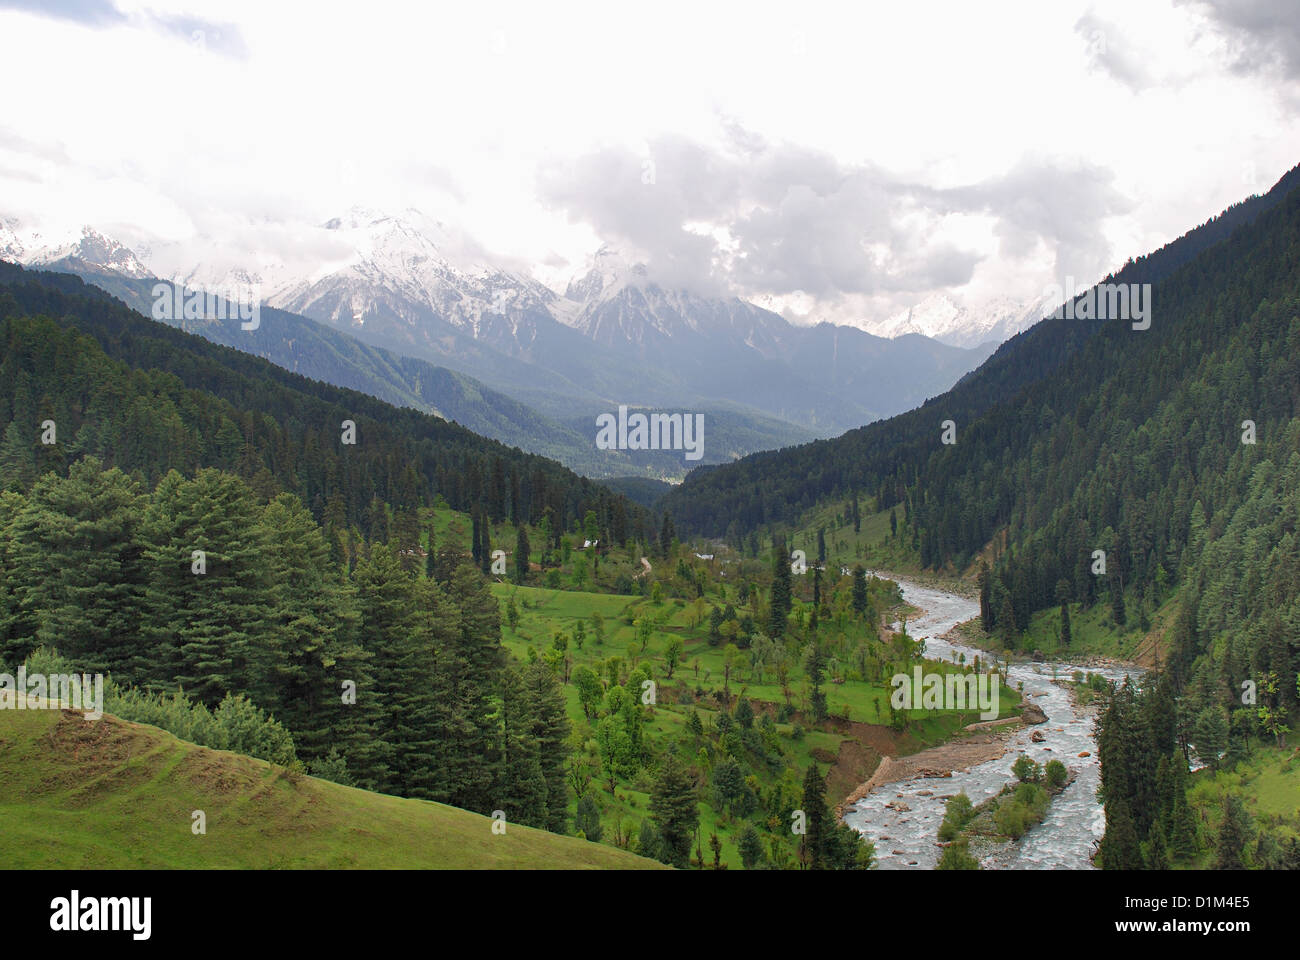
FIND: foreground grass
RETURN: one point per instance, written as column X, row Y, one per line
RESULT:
column 114, row 795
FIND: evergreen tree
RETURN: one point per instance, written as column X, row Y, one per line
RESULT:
column 79, row 573
column 859, row 590
column 522, row 549
column 817, row 821
column 1236, row 834
column 207, row 616
column 782, row 600
column 674, row 810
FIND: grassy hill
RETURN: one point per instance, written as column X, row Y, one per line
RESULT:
column 114, row 795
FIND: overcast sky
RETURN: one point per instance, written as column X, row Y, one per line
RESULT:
column 849, row 159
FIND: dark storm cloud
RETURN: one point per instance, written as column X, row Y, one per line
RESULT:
column 801, row 221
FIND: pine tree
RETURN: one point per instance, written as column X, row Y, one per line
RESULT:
column 403, row 637
column 210, row 624
column 782, row 600
column 302, row 642
column 522, row 550
column 1236, row 834
column 1117, row 611
column 78, row 569
column 859, row 590
column 1157, row 852
column 817, row 820
column 674, row 810
column 1119, row 845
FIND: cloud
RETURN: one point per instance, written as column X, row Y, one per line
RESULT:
column 756, row 218
column 1109, row 49
column 1263, row 36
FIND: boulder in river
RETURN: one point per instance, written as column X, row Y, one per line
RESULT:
column 1085, row 754
column 1037, row 736
column 1033, row 713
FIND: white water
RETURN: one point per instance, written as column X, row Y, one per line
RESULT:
column 1064, row 840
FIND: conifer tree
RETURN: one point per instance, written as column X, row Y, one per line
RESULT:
column 674, row 811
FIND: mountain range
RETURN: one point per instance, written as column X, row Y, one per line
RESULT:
column 411, row 313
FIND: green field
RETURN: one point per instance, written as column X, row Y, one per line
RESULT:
column 118, row 795
column 1268, row 783
column 696, row 684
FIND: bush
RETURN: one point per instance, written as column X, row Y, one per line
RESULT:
column 1056, row 773
column 957, row 857
column 1026, row 770
column 1011, row 819
column 958, row 813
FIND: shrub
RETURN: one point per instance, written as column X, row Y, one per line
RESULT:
column 1026, row 770
column 1056, row 773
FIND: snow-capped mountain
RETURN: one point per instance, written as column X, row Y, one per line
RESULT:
column 91, row 251
column 617, row 303
column 412, row 285
column 411, row 269
column 939, row 318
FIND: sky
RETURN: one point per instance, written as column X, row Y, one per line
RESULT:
column 834, row 161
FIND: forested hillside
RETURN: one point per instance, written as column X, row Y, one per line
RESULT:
column 891, row 460
column 211, row 528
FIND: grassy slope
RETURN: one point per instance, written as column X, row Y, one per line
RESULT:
column 1268, row 783
column 113, row 795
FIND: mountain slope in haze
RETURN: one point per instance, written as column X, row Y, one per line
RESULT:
column 114, row 795
column 322, row 353
column 829, row 377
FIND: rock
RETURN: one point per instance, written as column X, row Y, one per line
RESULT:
column 898, row 853
column 1033, row 713
column 1037, row 736
column 1085, row 754
column 926, row 793
column 1037, row 655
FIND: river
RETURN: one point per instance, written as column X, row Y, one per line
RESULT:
column 1064, row 840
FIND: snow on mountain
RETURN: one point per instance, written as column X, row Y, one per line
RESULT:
column 91, row 251
column 616, row 301
column 408, row 268
column 940, row 318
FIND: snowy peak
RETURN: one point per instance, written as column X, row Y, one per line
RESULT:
column 92, row 250
column 609, row 272
column 409, row 269
column 942, row 319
